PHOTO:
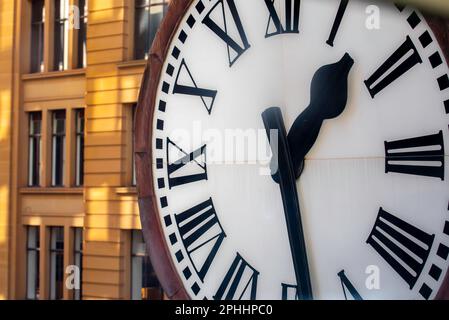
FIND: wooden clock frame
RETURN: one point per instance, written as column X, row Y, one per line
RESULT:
column 151, row 226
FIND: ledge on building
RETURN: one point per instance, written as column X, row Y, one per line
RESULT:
column 132, row 64
column 126, row 191
column 55, row 191
column 53, row 74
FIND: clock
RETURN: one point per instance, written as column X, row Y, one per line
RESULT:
column 292, row 149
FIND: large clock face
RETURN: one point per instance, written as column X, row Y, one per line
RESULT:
column 372, row 185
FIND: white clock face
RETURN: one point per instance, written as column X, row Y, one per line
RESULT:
column 374, row 191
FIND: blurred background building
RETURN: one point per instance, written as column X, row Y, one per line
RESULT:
column 68, row 89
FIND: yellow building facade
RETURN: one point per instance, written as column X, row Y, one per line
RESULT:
column 69, row 79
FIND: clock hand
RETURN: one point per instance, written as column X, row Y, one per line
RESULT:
column 273, row 121
column 329, row 95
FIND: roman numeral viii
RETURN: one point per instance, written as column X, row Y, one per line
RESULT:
column 291, row 23
column 405, row 247
column 405, row 57
column 347, row 286
column 200, row 228
column 189, row 168
column 423, row 156
column 233, row 34
column 240, row 282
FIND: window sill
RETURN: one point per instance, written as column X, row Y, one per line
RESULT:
column 54, row 74
column 126, row 191
column 55, row 191
column 132, row 64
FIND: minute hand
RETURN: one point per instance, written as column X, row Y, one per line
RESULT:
column 328, row 98
column 273, row 121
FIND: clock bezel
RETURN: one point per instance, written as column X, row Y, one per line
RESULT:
column 152, row 228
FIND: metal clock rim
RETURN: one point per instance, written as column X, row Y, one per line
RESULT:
column 151, row 225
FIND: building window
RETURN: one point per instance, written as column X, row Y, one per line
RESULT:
column 133, row 157
column 34, row 145
column 61, row 35
column 79, row 169
column 33, row 247
column 148, row 16
column 144, row 283
column 56, row 263
column 78, row 260
column 82, row 32
column 37, row 35
column 58, row 148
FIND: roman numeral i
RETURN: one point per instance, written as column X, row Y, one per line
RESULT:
column 405, row 247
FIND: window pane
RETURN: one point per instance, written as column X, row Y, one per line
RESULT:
column 56, row 263
column 58, row 147
column 33, row 246
column 144, row 283
column 79, row 147
column 78, row 260
column 82, row 49
column 37, row 36
column 60, row 33
column 148, row 16
column 34, row 147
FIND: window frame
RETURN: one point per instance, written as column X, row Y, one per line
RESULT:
column 34, row 140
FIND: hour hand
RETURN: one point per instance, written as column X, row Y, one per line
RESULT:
column 328, row 99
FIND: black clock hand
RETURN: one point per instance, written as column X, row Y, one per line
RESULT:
column 273, row 121
column 329, row 95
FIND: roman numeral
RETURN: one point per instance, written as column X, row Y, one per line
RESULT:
column 422, row 156
column 185, row 84
column 193, row 168
column 405, row 247
column 348, row 286
column 240, row 282
column 289, row 292
column 337, row 22
column 236, row 47
column 291, row 23
column 201, row 234
column 407, row 56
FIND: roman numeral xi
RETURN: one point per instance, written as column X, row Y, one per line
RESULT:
column 405, row 57
column 291, row 18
